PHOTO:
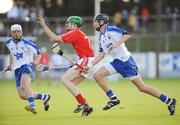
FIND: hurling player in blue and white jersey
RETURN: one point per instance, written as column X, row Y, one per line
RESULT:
column 112, row 41
column 21, row 61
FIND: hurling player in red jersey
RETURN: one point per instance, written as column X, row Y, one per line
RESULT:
column 82, row 46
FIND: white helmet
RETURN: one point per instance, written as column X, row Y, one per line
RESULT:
column 16, row 27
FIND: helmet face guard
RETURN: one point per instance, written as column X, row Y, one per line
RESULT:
column 75, row 20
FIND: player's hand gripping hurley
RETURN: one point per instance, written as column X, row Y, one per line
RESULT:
column 56, row 49
column 5, row 70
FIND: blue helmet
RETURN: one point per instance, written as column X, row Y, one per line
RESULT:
column 103, row 17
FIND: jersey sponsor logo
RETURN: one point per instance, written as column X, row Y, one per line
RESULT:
column 18, row 55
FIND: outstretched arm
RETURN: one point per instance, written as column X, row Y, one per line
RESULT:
column 123, row 39
column 53, row 37
column 98, row 58
column 10, row 62
column 36, row 60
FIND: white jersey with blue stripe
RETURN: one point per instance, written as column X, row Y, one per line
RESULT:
column 22, row 52
column 111, row 35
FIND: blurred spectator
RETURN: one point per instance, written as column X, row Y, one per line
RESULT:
column 124, row 17
column 175, row 14
column 40, row 10
column 2, row 29
column 13, row 13
column 117, row 18
column 169, row 18
column 133, row 21
column 33, row 17
column 145, row 16
column 1, row 64
column 58, row 29
column 23, row 10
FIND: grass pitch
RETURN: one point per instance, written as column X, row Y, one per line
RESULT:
column 135, row 109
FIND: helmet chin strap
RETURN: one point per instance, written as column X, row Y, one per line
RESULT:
column 98, row 29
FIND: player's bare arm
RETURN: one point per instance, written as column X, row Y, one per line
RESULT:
column 123, row 39
column 53, row 37
column 10, row 62
column 96, row 60
column 37, row 60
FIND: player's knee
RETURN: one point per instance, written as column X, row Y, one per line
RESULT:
column 22, row 96
column 64, row 79
column 22, row 87
column 95, row 76
column 142, row 88
column 98, row 76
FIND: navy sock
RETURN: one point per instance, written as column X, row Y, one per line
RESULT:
column 41, row 96
column 165, row 99
column 111, row 95
column 31, row 101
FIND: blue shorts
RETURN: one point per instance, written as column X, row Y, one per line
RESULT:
column 127, row 68
column 24, row 69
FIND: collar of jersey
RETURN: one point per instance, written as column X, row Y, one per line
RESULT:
column 17, row 42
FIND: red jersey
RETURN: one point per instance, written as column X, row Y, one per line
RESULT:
column 80, row 42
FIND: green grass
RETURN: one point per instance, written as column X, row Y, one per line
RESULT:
column 135, row 108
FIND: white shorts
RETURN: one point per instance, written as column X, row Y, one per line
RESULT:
column 86, row 62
